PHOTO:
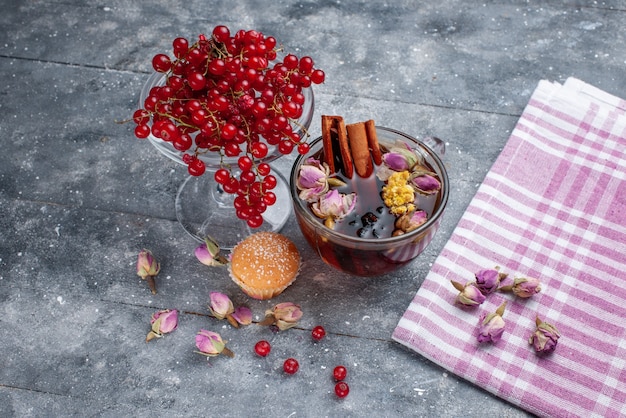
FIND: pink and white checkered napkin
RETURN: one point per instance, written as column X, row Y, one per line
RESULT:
column 553, row 206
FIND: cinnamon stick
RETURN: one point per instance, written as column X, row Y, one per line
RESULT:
column 344, row 146
column 359, row 147
column 336, row 147
column 327, row 142
column 372, row 140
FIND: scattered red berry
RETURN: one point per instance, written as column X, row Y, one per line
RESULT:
column 291, row 366
column 318, row 333
column 342, row 389
column 339, row 373
column 262, row 348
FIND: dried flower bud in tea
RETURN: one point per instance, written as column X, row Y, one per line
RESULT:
column 333, row 206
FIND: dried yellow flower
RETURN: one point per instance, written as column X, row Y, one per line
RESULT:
column 398, row 194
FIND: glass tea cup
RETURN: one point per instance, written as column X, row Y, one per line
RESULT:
column 371, row 256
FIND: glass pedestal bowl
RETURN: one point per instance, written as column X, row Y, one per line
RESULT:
column 373, row 256
column 203, row 208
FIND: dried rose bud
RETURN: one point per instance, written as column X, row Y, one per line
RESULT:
column 411, row 220
column 314, row 180
column 469, row 295
column 523, row 287
column 147, row 268
column 243, row 315
column 163, row 322
column 208, row 253
column 426, row 184
column 491, row 326
column 488, row 280
column 396, row 161
column 400, row 157
column 211, row 344
column 284, row 315
column 221, row 305
column 334, row 205
column 545, row 337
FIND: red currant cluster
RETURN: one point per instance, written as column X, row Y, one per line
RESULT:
column 229, row 94
column 291, row 365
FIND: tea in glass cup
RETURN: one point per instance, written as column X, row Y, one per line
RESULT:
column 371, row 225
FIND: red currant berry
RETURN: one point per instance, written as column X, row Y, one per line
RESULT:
column 290, row 61
column 264, row 169
column 261, row 206
column 240, row 202
column 342, row 389
column 269, row 198
column 285, row 146
column 305, row 81
column 247, row 177
column 142, row 131
column 318, row 333
column 291, row 110
column 183, row 142
column 196, row 80
column 222, row 176
column 232, row 149
column 259, row 109
column 339, row 373
column 262, row 348
column 291, row 366
column 245, row 163
column 256, row 190
column 303, row 148
column 270, row 42
column 255, row 221
column 280, row 122
column 217, row 66
column 180, row 45
column 192, row 105
column 221, row 33
column 167, row 131
column 231, row 185
column 259, row 149
column 196, row 167
column 228, row 131
column 219, row 104
column 161, row 63
column 270, row 182
column 306, row 65
column 199, row 116
column 141, row 116
column 318, row 76
column 298, row 98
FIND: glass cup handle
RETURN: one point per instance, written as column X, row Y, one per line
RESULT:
column 436, row 145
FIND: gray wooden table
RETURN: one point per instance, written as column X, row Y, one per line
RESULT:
column 80, row 196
